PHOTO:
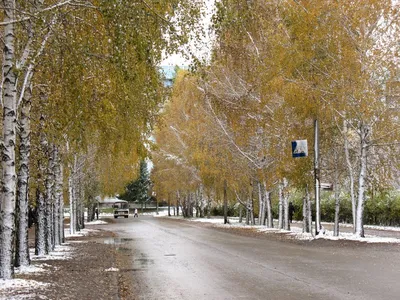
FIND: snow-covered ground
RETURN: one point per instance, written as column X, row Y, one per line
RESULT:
column 27, row 287
column 96, row 222
column 296, row 231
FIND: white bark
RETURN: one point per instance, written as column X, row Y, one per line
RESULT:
column 61, row 217
column 248, row 211
column 286, row 224
column 41, row 246
column 270, row 219
column 71, row 192
column 280, row 208
column 337, row 198
column 351, row 173
column 49, row 200
column 318, row 226
column 8, row 179
column 81, row 208
column 226, row 221
column 22, row 250
column 308, row 214
column 260, row 204
column 203, row 201
column 40, row 238
column 57, row 197
column 306, row 228
column 252, row 207
column 364, row 136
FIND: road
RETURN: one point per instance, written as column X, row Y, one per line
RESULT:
column 183, row 260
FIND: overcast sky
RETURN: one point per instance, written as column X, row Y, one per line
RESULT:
column 202, row 51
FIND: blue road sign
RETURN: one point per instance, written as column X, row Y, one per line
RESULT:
column 299, row 148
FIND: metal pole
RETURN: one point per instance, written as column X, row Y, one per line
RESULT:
column 317, row 179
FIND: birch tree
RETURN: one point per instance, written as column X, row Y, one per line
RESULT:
column 8, row 178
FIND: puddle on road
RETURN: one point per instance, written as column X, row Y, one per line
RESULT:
column 117, row 241
column 138, row 264
column 142, row 263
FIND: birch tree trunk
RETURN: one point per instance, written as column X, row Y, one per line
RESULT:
column 22, row 248
column 309, row 210
column 260, row 204
column 337, row 198
column 61, row 218
column 225, row 202
column 81, row 208
column 364, row 135
column 57, row 198
column 178, row 202
column 49, row 200
column 306, row 228
column 40, row 232
column 252, row 205
column 8, row 179
column 71, row 192
column 286, row 215
column 281, row 208
column 248, row 211
column 351, row 174
column 209, row 207
column 202, row 201
column 169, row 204
column 270, row 218
column 197, row 203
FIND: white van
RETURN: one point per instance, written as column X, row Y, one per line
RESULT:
column 121, row 209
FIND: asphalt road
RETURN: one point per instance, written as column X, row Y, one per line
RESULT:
column 173, row 259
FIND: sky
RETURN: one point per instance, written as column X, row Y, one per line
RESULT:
column 206, row 43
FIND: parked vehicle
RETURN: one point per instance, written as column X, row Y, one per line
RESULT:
column 121, row 209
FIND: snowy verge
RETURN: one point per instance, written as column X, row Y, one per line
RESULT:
column 83, row 232
column 96, row 222
column 25, row 289
column 32, row 269
column 297, row 232
column 61, row 252
column 111, row 270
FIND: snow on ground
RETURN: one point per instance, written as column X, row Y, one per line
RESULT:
column 61, row 252
column 37, row 268
column 375, row 227
column 297, row 232
column 25, row 288
column 83, row 232
column 96, row 222
column 9, row 286
column 111, row 270
column 162, row 212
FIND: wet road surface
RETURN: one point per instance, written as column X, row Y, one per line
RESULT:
column 183, row 260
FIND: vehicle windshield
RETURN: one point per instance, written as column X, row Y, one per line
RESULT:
column 120, row 205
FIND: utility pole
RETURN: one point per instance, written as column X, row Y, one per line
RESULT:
column 317, row 179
